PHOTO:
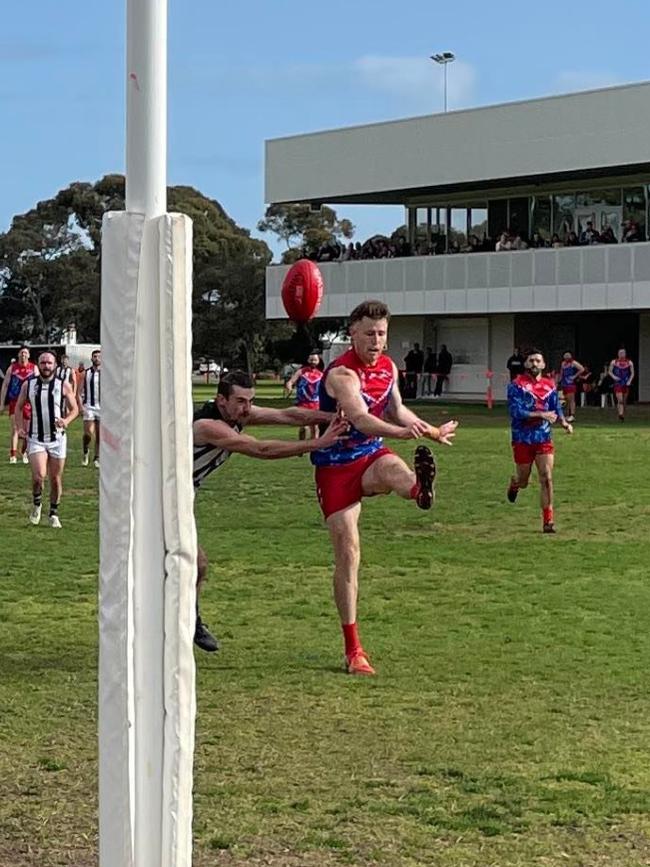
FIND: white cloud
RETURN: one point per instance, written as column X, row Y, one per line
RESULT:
column 418, row 82
column 571, row 80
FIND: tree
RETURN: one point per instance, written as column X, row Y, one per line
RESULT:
column 50, row 270
column 308, row 228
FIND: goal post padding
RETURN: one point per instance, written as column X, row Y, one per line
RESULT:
column 147, row 544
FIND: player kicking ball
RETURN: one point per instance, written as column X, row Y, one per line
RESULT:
column 361, row 385
column 534, row 407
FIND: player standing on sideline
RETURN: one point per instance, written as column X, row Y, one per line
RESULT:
column 66, row 374
column 306, row 381
column 362, row 386
column 88, row 397
column 218, row 433
column 16, row 374
column 570, row 369
column 48, row 396
column 621, row 370
column 534, row 406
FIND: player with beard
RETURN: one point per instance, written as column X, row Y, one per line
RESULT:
column 534, row 407
column 219, row 432
column 306, row 381
column 53, row 407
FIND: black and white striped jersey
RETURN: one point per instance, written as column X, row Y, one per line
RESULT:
column 208, row 458
column 46, row 399
column 91, row 387
column 65, row 374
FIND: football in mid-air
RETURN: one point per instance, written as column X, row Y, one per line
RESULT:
column 302, row 290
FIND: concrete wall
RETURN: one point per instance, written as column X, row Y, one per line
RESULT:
column 590, row 130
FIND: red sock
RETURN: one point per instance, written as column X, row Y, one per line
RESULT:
column 12, row 453
column 415, row 490
column 548, row 515
column 351, row 638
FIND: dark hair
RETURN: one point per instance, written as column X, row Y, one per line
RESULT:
column 234, row 378
column 24, row 347
column 371, row 310
column 534, row 351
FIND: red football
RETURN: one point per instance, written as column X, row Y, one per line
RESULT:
column 302, row 290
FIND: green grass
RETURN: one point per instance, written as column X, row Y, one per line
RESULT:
column 509, row 724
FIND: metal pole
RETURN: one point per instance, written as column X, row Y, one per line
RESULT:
column 445, row 68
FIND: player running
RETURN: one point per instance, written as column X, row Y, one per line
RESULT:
column 49, row 398
column 219, row 432
column 17, row 373
column 534, row 406
column 362, row 386
column 306, row 381
column 88, row 397
column 570, row 370
column 621, row 370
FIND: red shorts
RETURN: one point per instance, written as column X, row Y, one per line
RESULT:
column 621, row 389
column 525, row 453
column 338, row 487
column 569, row 389
column 309, row 404
column 27, row 409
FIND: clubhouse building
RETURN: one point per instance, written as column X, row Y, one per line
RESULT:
column 569, row 174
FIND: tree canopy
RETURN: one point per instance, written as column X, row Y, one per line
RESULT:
column 309, row 229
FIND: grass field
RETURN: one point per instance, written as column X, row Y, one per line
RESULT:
column 510, row 721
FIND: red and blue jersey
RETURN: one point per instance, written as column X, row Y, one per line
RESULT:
column 17, row 374
column 622, row 368
column 376, row 385
column 307, row 386
column 568, row 373
column 525, row 396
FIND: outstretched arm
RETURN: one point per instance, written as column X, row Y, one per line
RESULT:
column 292, row 415
column 221, row 435
column 402, row 415
column 289, row 385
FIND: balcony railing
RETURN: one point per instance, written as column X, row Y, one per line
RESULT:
column 603, row 277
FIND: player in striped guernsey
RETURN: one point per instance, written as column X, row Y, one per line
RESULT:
column 219, row 432
column 65, row 373
column 88, row 398
column 53, row 406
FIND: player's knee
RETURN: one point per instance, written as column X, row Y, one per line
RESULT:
column 201, row 567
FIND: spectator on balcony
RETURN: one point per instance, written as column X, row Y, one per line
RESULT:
column 473, row 245
column 445, row 362
column 519, row 242
column 556, row 241
column 631, row 232
column 608, row 236
column 572, row 239
column 589, row 235
column 504, row 242
column 537, row 242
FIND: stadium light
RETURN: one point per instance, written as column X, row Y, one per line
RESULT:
column 444, row 58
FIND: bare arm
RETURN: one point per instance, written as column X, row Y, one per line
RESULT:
column 611, row 371
column 71, row 403
column 629, row 382
column 288, row 388
column 292, row 415
column 343, row 385
column 221, row 435
column 18, row 413
column 403, row 416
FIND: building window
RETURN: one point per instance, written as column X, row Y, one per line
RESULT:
column 563, row 210
column 497, row 218
column 541, row 217
column 634, row 208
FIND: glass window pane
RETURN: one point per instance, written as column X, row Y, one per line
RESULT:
column 598, row 197
column 497, row 217
column 634, row 211
column 542, row 217
column 458, row 230
column 479, row 223
column 519, row 217
column 563, row 211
